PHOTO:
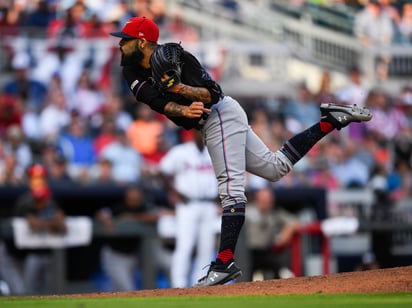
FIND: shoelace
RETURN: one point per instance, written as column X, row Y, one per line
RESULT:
column 208, row 271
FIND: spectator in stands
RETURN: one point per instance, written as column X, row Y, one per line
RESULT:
column 10, row 112
column 389, row 9
column 278, row 130
column 55, row 116
column 30, row 124
column 107, row 11
column 121, row 14
column 71, row 24
column 322, row 177
column 389, row 122
column 234, row 7
column 43, row 214
column 77, row 146
column 64, row 57
column 9, row 28
column 301, row 112
column 95, row 27
column 9, row 22
column 153, row 9
column 324, row 93
column 30, row 91
column 40, row 17
column 319, row 168
column 86, row 98
column 17, row 146
column 371, row 151
column 10, row 172
column 402, row 144
column 405, row 24
column 346, row 167
column 58, row 174
column 127, row 162
column 372, row 27
column 145, row 131
column 260, row 122
column 106, row 134
column 100, row 53
column 101, row 174
column 354, row 92
column 119, row 256
column 177, row 30
column 269, row 230
column 400, row 181
column 115, row 108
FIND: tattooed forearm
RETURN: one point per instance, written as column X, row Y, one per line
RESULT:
column 194, row 93
column 173, row 109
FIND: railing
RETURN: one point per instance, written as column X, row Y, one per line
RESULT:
column 362, row 204
column 338, row 18
column 217, row 22
column 305, row 38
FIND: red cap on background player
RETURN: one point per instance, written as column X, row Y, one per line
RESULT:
column 42, row 193
column 37, row 170
column 139, row 27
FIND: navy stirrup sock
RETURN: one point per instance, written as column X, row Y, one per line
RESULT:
column 233, row 219
column 297, row 146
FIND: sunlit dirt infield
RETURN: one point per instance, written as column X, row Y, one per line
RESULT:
column 393, row 280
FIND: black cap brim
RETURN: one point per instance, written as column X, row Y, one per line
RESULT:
column 122, row 35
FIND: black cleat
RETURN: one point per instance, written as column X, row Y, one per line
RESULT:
column 341, row 115
column 217, row 275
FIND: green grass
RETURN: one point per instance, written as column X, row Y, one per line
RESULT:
column 278, row 301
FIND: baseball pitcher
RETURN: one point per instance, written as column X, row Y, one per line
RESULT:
column 172, row 82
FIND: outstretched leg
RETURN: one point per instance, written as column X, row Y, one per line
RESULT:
column 226, row 140
column 274, row 165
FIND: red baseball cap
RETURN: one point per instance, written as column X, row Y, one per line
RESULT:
column 139, row 27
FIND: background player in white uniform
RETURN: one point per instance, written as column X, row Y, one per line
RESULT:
column 193, row 183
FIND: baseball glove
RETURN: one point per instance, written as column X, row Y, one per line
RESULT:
column 166, row 59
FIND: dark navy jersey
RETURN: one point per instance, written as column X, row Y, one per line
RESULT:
column 193, row 74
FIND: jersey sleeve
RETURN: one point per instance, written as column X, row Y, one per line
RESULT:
column 194, row 74
column 143, row 90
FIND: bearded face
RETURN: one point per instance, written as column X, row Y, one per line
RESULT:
column 131, row 54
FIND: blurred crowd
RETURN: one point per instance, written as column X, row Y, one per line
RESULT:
column 70, row 110
column 392, row 19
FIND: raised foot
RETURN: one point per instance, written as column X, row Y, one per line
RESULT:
column 340, row 115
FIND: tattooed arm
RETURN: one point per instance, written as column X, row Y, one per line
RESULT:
column 195, row 94
column 195, row 110
column 198, row 95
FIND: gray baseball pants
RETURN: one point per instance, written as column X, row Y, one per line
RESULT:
column 234, row 148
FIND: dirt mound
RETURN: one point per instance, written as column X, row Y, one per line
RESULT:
column 391, row 280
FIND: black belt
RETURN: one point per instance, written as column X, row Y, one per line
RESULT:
column 202, row 121
column 204, row 116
